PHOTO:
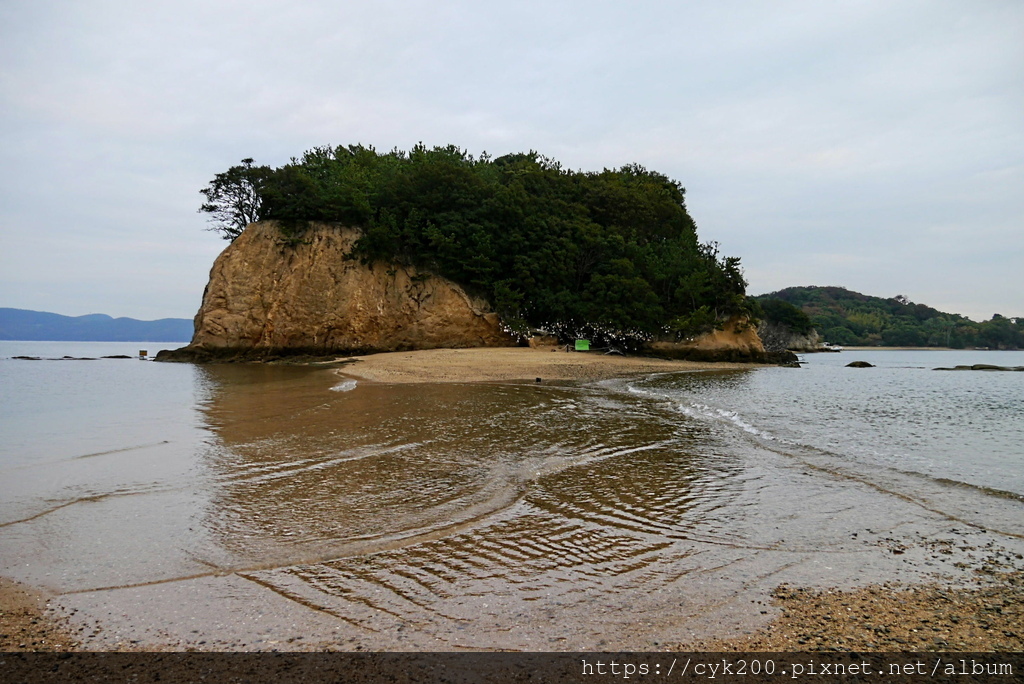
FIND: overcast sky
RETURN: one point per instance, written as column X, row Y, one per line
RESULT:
column 873, row 145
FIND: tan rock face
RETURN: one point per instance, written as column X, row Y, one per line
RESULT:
column 737, row 340
column 777, row 337
column 264, row 294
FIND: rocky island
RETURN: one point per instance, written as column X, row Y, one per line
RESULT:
column 348, row 251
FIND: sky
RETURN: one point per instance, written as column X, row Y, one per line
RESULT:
column 876, row 145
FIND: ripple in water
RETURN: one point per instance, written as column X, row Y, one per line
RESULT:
column 487, row 515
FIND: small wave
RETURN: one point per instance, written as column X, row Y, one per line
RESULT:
column 705, row 412
column 961, row 484
column 344, row 386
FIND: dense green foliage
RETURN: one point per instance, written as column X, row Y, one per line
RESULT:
column 782, row 312
column 610, row 254
column 850, row 318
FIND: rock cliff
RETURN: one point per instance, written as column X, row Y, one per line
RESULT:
column 737, row 340
column 269, row 296
column 266, row 297
column 779, row 337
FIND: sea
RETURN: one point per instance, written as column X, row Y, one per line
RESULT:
column 168, row 505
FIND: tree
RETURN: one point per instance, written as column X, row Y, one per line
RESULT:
column 612, row 252
column 782, row 312
column 234, row 198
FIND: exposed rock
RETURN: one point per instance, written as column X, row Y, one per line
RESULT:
column 983, row 367
column 736, row 341
column 274, row 299
column 779, row 337
column 267, row 298
column 538, row 341
column 860, row 364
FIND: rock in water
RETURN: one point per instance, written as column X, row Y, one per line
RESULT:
column 983, row 367
column 860, row 364
column 268, row 297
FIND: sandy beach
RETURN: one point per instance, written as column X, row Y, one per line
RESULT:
column 513, row 363
column 25, row 624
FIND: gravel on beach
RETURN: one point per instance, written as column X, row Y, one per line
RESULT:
column 26, row 626
column 890, row 618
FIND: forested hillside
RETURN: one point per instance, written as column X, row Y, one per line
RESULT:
column 609, row 254
column 845, row 317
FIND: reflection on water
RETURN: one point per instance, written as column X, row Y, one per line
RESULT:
column 439, row 516
column 510, row 479
column 455, row 507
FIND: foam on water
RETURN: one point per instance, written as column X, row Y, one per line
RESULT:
column 344, row 386
column 704, row 412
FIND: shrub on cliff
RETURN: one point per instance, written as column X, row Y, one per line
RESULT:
column 609, row 254
column 234, row 199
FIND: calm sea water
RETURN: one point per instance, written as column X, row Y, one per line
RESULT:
column 271, row 507
column 966, row 427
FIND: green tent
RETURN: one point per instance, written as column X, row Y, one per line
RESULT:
column 582, row 345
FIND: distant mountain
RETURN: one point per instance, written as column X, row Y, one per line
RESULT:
column 846, row 317
column 21, row 324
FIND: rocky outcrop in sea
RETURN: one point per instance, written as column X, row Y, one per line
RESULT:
column 269, row 296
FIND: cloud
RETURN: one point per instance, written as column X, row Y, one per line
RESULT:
column 888, row 132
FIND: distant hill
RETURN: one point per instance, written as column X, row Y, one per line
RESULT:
column 845, row 317
column 21, row 324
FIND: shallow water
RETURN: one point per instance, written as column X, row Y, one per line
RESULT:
column 246, row 506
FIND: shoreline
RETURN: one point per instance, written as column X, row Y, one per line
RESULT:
column 504, row 364
column 882, row 618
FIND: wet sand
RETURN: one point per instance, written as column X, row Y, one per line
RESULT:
column 513, row 363
column 877, row 618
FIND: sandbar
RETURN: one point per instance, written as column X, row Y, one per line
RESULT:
column 491, row 364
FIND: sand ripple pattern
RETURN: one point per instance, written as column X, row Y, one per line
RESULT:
column 500, row 501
